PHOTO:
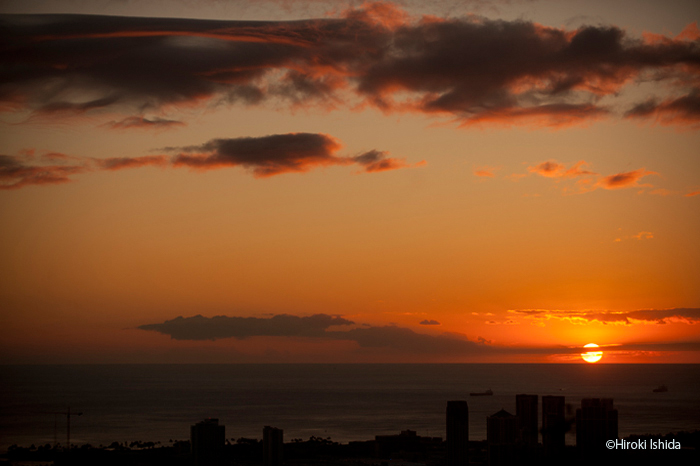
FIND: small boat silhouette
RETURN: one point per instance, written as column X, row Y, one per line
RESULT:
column 660, row 389
column 488, row 392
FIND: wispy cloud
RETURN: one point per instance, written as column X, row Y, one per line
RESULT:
column 653, row 316
column 662, row 192
column 684, row 110
column 378, row 161
column 586, row 179
column 485, row 171
column 642, row 235
column 15, row 173
column 139, row 122
column 552, row 169
column 625, row 180
column 119, row 163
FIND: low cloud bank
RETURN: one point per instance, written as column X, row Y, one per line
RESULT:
column 397, row 340
column 316, row 326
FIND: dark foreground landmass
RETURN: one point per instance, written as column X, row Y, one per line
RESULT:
column 400, row 450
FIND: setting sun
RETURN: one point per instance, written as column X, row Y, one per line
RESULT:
column 592, row 356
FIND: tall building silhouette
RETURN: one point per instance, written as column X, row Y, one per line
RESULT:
column 501, row 438
column 457, row 433
column 273, row 444
column 526, row 411
column 207, row 438
column 596, row 423
column 553, row 426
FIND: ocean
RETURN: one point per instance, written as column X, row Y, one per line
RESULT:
column 345, row 402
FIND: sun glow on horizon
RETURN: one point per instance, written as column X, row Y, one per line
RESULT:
column 592, row 356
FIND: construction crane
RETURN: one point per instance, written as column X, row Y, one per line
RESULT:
column 68, row 414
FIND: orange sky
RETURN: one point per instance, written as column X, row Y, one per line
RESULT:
column 460, row 182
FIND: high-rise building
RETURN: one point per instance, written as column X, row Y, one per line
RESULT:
column 596, row 423
column 553, row 426
column 457, row 433
column 501, row 438
column 272, row 446
column 526, row 411
column 207, row 438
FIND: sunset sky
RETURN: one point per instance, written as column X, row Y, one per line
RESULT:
column 330, row 181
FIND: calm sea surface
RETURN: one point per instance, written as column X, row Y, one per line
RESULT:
column 344, row 402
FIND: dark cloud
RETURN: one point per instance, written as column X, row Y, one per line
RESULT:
column 589, row 180
column 552, row 169
column 15, row 173
column 689, row 316
column 56, row 168
column 624, row 180
column 429, row 322
column 472, row 69
column 150, row 62
column 683, row 110
column 58, row 156
column 264, row 156
column 377, row 161
column 77, row 107
column 137, row 122
column 549, row 169
column 278, row 153
column 301, row 87
column 316, row 326
column 214, row 328
column 499, row 71
column 119, row 163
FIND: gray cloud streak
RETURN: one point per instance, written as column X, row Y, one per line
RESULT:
column 214, row 328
